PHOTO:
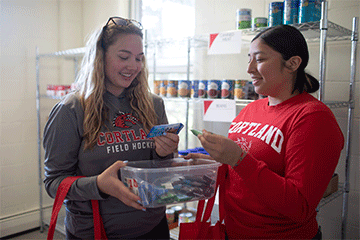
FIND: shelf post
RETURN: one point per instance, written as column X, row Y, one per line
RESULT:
column 39, row 138
column 354, row 40
column 323, row 35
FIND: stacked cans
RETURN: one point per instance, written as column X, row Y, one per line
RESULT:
column 213, row 89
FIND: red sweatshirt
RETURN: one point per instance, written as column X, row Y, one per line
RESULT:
column 293, row 150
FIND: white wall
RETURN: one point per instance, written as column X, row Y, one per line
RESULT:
column 51, row 25
column 220, row 15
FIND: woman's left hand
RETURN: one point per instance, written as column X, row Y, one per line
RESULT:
column 222, row 149
column 166, row 144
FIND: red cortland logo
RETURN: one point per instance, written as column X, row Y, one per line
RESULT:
column 121, row 119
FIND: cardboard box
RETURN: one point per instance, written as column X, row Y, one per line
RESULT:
column 333, row 185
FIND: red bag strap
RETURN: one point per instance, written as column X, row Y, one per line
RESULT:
column 210, row 203
column 61, row 193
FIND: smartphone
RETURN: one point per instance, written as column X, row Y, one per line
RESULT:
column 159, row 130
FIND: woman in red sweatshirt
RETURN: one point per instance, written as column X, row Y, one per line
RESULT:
column 282, row 150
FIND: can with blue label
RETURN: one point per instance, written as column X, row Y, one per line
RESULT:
column 184, row 87
column 194, row 89
column 309, row 11
column 214, row 88
column 317, row 11
column 227, row 89
column 243, row 18
column 276, row 13
column 291, row 10
column 202, row 89
column 171, row 90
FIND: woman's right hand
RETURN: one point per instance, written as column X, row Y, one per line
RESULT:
column 108, row 182
column 198, row 155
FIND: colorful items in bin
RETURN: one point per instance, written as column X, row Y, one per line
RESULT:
column 184, row 88
column 184, row 189
column 193, row 150
column 276, row 10
column 291, row 11
column 243, row 18
column 227, row 89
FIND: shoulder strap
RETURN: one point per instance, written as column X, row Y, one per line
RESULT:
column 99, row 231
column 59, row 199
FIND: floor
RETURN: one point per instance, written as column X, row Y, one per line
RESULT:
column 36, row 234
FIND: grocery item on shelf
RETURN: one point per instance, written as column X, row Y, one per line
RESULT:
column 243, row 18
column 163, row 87
column 214, row 88
column 227, row 89
column 172, row 88
column 259, row 22
column 57, row 91
column 276, row 12
column 291, row 11
column 203, row 88
column 194, row 89
column 184, row 88
column 157, row 87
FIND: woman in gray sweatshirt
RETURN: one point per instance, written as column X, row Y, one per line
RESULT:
column 103, row 123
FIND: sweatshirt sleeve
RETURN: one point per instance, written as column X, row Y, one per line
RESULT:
column 312, row 153
column 62, row 141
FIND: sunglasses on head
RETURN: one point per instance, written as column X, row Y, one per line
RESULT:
column 119, row 21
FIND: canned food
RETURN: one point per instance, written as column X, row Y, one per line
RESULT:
column 171, row 90
column 163, row 86
column 238, row 89
column 170, row 215
column 214, row 88
column 276, row 10
column 291, row 10
column 157, row 87
column 194, row 89
column 202, row 88
column 243, row 18
column 184, row 88
column 259, row 22
column 178, row 210
column 185, row 217
column 227, row 89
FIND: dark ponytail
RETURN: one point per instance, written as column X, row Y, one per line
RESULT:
column 289, row 41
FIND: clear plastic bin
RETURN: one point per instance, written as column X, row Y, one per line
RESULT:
column 163, row 182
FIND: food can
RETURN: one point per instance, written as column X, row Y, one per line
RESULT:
column 171, row 90
column 185, row 217
column 243, row 18
column 194, row 89
column 184, row 87
column 249, row 91
column 316, row 16
column 238, row 89
column 227, row 89
column 170, row 215
column 157, row 87
column 276, row 10
column 305, row 10
column 214, row 88
column 178, row 210
column 202, row 89
column 291, row 10
column 163, row 87
column 258, row 22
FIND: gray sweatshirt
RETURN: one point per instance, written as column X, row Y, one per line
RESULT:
column 123, row 138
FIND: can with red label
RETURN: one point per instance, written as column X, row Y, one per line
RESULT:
column 214, row 88
column 202, row 89
column 227, row 89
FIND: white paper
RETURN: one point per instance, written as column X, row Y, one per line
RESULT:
column 219, row 110
column 225, row 43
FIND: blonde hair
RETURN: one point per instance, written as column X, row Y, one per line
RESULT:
column 91, row 84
